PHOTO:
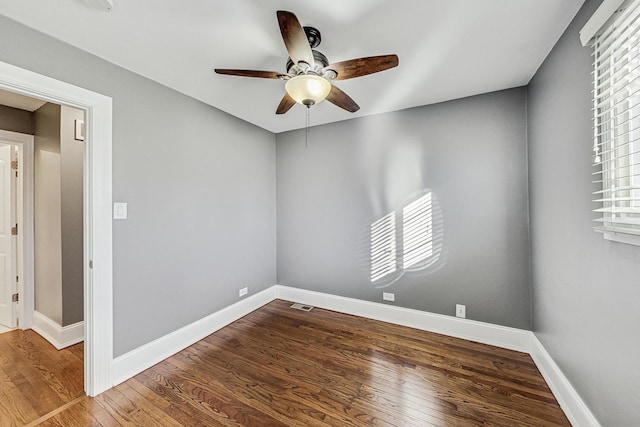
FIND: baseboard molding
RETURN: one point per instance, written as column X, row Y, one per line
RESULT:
column 4, row 329
column 570, row 401
column 136, row 361
column 132, row 363
column 486, row 333
column 59, row 336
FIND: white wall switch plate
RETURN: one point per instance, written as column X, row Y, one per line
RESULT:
column 119, row 211
column 243, row 291
column 388, row 296
column 461, row 311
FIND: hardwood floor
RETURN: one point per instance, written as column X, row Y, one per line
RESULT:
column 282, row 367
column 35, row 378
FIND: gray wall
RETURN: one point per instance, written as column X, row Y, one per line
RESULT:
column 71, row 227
column 16, row 120
column 586, row 289
column 200, row 185
column 470, row 153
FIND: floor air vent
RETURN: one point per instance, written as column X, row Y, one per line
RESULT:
column 302, row 307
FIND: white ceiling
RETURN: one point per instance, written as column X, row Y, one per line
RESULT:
column 448, row 49
column 12, row 99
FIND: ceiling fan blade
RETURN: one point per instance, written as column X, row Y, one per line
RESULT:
column 342, row 100
column 286, row 104
column 251, row 73
column 294, row 38
column 362, row 66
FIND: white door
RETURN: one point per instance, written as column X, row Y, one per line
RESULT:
column 7, row 244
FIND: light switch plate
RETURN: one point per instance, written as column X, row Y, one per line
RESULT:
column 119, row 211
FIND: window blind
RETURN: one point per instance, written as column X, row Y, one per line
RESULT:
column 616, row 130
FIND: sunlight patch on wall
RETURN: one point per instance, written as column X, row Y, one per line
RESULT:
column 383, row 247
column 417, row 231
column 407, row 240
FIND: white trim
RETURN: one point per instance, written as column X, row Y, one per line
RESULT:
column 98, row 282
column 4, row 329
column 25, row 236
column 597, row 20
column 570, row 401
column 486, row 333
column 500, row 336
column 59, row 336
column 136, row 361
column 629, row 239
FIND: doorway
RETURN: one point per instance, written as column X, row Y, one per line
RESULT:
column 17, row 219
column 10, row 255
column 54, row 136
column 97, row 254
column 58, row 227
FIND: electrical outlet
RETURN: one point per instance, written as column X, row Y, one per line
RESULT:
column 243, row 291
column 461, row 311
column 388, row 296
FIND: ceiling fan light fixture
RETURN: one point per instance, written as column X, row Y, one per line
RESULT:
column 309, row 73
column 308, row 89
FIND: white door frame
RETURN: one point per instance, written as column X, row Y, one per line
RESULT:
column 24, row 219
column 98, row 258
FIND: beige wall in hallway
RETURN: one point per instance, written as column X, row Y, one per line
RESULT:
column 47, row 213
column 59, row 163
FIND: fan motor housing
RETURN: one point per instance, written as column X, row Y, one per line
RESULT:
column 313, row 35
column 321, row 61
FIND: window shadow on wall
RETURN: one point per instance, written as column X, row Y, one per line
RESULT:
column 409, row 240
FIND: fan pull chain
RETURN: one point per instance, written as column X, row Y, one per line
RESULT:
column 306, row 135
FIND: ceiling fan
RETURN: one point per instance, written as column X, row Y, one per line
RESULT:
column 309, row 75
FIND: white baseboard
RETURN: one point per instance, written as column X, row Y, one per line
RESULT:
column 570, row 401
column 486, row 333
column 59, row 336
column 4, row 329
column 136, row 361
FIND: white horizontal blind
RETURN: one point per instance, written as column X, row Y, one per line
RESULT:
column 616, row 142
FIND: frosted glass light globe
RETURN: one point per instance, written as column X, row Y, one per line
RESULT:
column 308, row 89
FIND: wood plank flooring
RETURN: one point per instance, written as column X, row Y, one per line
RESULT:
column 282, row 367
column 35, row 378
